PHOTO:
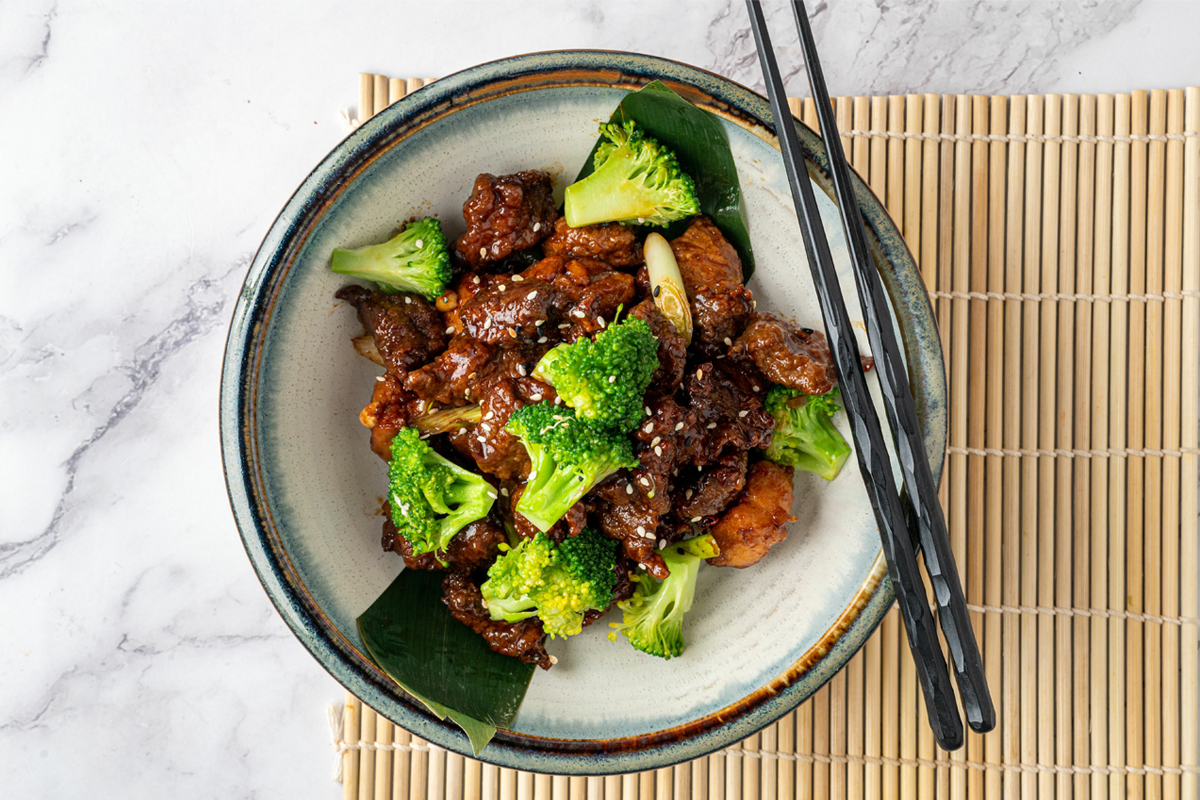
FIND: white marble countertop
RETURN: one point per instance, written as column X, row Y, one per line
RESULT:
column 147, row 147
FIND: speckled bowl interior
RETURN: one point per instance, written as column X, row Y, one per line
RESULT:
column 306, row 490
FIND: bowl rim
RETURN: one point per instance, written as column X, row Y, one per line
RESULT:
column 242, row 360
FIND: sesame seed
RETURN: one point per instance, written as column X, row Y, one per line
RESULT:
column 483, row 252
column 656, row 441
column 381, row 377
column 517, row 279
column 558, row 401
column 512, row 332
column 521, row 370
column 553, row 660
column 657, row 290
column 475, row 279
column 495, row 247
column 642, row 480
column 658, row 451
column 612, row 378
column 720, row 356
column 642, row 567
column 711, row 425
column 487, row 323
column 537, row 226
column 542, row 340
column 600, row 320
column 695, row 519
column 539, row 323
column 536, row 397
column 449, row 330
column 753, row 304
column 755, row 387
column 420, row 243
column 728, row 342
column 492, row 495
column 649, row 426
column 531, row 295
column 564, row 325
column 558, row 417
column 629, row 488
column 807, row 331
column 647, row 411
column 743, row 414
column 578, row 312
column 407, row 300
column 688, row 494
column 532, row 475
column 678, row 426
column 662, row 543
column 502, row 287
column 504, row 492
column 641, row 530
column 640, row 220
column 699, row 374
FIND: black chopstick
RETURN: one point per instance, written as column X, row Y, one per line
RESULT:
column 869, row 446
column 922, row 493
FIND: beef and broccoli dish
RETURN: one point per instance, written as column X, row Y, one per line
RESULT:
column 575, row 411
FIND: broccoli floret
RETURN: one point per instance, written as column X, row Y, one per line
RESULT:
column 604, row 379
column 432, row 498
column 653, row 616
column 804, row 434
column 555, row 583
column 414, row 260
column 636, row 179
column 568, row 456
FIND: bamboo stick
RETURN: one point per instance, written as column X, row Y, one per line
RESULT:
column 699, row 778
column 810, row 114
column 964, row 544
column 366, row 756
column 681, row 786
column 1054, row 675
column 472, row 779
column 611, row 786
column 896, row 709
column 436, row 776
column 859, row 152
column 508, row 784
column 629, row 783
column 882, row 714
column 366, row 96
column 594, row 788
column 1101, row 285
column 489, row 781
column 915, row 735
column 750, row 765
column 419, row 769
column 351, row 719
column 454, row 776
column 564, row 787
column 977, row 430
column 994, row 416
column 383, row 758
column 1035, row 728
column 396, row 87
column 786, row 768
column 401, row 759
column 1189, row 602
column 1153, row 498
column 820, row 744
column 734, row 764
column 1117, row 420
column 804, row 744
column 1013, row 267
column 716, row 778
column 525, row 789
column 412, row 84
column 1172, row 422
column 768, row 773
column 543, row 787
column 1069, row 162
column 1081, row 580
column 843, row 111
column 1135, row 631
column 380, row 94
column 837, row 738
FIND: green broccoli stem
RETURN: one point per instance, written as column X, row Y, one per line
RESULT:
column 605, row 195
column 825, row 450
column 509, row 609
column 551, row 493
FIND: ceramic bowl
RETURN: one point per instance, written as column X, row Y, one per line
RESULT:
column 306, row 490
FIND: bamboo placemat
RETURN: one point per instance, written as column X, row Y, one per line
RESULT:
column 1059, row 237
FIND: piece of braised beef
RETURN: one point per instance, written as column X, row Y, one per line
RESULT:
column 392, row 407
column 509, row 313
column 672, row 349
column 786, row 354
column 755, row 524
column 611, row 242
column 407, row 330
column 730, row 415
column 521, row 640
column 505, row 215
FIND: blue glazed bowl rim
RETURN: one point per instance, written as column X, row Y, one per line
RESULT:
column 251, row 319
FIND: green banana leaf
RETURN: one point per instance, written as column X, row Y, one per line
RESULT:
column 411, row 636
column 700, row 144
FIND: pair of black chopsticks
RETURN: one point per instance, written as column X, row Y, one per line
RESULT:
column 896, row 514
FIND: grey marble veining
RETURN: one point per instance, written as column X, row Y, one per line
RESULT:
column 146, row 148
